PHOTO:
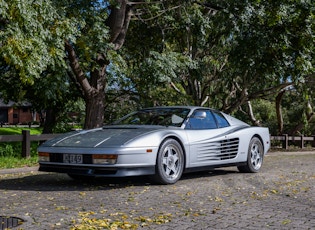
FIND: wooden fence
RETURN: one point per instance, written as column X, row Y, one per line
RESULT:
column 26, row 139
column 301, row 140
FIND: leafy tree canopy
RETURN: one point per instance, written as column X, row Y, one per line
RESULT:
column 32, row 36
column 223, row 54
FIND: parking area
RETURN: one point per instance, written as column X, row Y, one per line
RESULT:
column 281, row 196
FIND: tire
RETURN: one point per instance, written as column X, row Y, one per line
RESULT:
column 254, row 158
column 169, row 163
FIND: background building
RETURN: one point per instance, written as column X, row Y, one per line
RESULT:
column 13, row 113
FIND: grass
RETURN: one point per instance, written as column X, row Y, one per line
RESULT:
column 10, row 152
column 18, row 130
column 16, row 162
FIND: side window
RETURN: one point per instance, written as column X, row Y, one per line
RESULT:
column 206, row 121
column 222, row 122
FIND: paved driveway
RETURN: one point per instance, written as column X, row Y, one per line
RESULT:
column 281, row 196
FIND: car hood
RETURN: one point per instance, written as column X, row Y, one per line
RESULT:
column 108, row 136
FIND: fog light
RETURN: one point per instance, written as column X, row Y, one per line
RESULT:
column 43, row 156
column 104, row 158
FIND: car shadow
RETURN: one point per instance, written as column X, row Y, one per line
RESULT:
column 210, row 173
column 62, row 182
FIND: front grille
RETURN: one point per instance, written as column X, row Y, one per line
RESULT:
column 58, row 157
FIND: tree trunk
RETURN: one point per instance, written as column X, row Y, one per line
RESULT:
column 279, row 111
column 94, row 110
column 50, row 121
column 93, row 90
column 93, row 87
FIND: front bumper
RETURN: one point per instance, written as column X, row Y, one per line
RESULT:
column 98, row 171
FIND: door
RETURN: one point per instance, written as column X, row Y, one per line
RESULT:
column 3, row 115
column 211, row 143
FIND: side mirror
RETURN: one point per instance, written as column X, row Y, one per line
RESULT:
column 200, row 115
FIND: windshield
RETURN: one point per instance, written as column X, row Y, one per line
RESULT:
column 156, row 116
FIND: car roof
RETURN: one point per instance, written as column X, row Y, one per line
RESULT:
column 177, row 106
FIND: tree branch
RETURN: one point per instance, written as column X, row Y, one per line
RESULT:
column 174, row 87
column 120, row 39
column 251, row 114
column 269, row 91
column 76, row 69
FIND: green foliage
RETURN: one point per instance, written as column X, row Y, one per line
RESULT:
column 178, row 48
column 296, row 113
column 33, row 61
column 220, row 55
column 71, row 117
column 7, row 150
column 32, row 36
column 14, row 149
column 223, row 58
column 165, row 67
column 274, row 36
column 264, row 112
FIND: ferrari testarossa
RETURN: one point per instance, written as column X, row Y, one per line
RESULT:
column 164, row 142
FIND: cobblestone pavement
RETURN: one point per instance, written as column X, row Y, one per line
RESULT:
column 281, row 196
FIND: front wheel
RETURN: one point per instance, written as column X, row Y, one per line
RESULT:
column 170, row 162
column 254, row 158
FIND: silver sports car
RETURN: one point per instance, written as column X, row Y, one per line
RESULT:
column 164, row 142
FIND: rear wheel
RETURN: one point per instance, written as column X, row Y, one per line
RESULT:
column 254, row 158
column 170, row 162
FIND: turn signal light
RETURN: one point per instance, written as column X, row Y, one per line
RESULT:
column 42, row 156
column 104, row 158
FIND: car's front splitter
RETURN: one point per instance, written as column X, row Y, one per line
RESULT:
column 98, row 171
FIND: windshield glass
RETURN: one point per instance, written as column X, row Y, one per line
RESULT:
column 156, row 116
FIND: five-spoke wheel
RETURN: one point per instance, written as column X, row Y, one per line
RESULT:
column 255, row 156
column 170, row 162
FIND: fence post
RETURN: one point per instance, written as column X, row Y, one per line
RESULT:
column 313, row 142
column 302, row 142
column 285, row 143
column 26, row 144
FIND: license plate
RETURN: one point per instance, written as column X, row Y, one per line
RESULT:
column 73, row 158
